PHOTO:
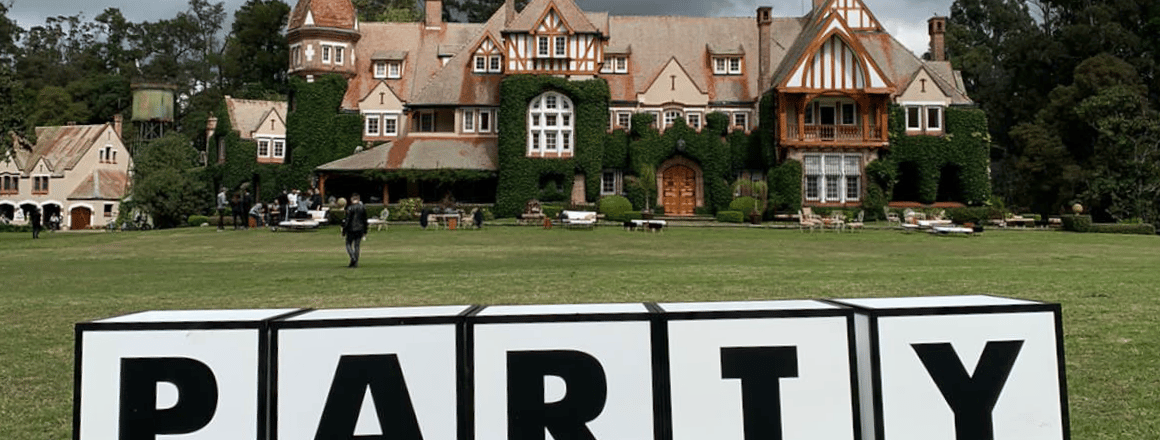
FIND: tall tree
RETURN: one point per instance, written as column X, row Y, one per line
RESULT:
column 256, row 52
column 164, row 183
column 9, row 36
column 387, row 10
column 474, row 11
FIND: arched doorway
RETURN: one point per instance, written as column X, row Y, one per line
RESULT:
column 680, row 187
column 49, row 211
column 81, row 217
column 950, row 188
column 8, row 212
column 907, row 188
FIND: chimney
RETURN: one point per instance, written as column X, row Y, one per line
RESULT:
column 938, row 29
column 764, row 20
column 434, row 9
column 118, row 121
column 509, row 9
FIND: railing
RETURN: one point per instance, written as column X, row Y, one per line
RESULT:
column 832, row 133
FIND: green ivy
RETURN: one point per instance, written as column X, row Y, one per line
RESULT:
column 965, row 145
column 241, row 161
column 707, row 148
column 519, row 175
column 317, row 132
column 785, row 186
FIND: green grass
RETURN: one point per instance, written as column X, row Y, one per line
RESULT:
column 1106, row 283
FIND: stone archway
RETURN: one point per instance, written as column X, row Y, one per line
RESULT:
column 680, row 186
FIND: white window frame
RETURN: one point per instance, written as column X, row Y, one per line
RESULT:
column 542, row 46
column 339, row 55
column 735, row 65
column 840, row 172
column 693, row 119
column 469, row 120
column 934, row 124
column 380, row 69
column 374, row 124
column 390, row 124
column 741, row 119
column 495, row 64
column 394, row 69
column 560, row 42
column 671, row 117
column 486, row 121
column 326, row 50
column 557, row 137
column 296, row 55
column 720, row 66
column 627, row 123
column 479, row 64
column 621, row 64
column 278, row 149
column 264, row 147
column 607, row 178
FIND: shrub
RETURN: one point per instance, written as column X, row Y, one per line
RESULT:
column 198, row 220
column 730, row 217
column 1077, row 223
column 630, row 215
column 977, row 215
column 658, row 210
column 1124, row 228
column 408, row 209
column 614, row 207
column 15, row 228
column 744, row 205
column 374, row 211
column 703, row 210
column 552, row 211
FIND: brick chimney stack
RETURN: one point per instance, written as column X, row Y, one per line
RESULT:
column 764, row 20
column 434, row 9
column 118, row 122
column 938, row 28
column 509, row 9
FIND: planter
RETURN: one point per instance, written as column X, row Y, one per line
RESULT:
column 755, row 218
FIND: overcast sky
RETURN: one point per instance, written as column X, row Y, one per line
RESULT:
column 905, row 19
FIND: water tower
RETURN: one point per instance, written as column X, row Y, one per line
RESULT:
column 153, row 109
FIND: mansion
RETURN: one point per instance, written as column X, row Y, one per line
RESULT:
column 429, row 94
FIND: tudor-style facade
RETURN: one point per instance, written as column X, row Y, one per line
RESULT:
column 80, row 172
column 430, row 92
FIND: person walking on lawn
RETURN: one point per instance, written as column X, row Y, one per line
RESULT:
column 354, row 227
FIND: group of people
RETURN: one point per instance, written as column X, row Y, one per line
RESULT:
column 289, row 204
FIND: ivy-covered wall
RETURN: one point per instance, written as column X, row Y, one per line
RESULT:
column 520, row 177
column 316, row 131
column 964, row 146
column 649, row 147
column 241, row 162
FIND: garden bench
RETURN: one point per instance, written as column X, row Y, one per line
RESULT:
column 578, row 219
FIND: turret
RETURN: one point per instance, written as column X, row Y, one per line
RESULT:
column 323, row 35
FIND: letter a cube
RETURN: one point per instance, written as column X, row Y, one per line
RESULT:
column 571, row 371
column 200, row 375
column 761, row 370
column 390, row 373
column 961, row 368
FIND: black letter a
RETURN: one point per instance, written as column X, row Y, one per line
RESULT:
column 972, row 398
column 383, row 376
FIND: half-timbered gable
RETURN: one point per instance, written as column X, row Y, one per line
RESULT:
column 488, row 57
column 553, row 37
column 855, row 14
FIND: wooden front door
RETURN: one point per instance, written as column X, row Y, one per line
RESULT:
column 679, row 191
column 81, row 218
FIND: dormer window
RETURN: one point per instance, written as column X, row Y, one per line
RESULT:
column 488, row 64
column 615, row 64
column 727, row 66
column 380, row 69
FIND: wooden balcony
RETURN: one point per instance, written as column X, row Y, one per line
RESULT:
column 843, row 135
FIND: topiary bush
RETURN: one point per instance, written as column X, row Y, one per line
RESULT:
column 197, row 220
column 730, row 217
column 744, row 204
column 614, row 207
column 977, row 215
column 1077, row 223
column 631, row 215
column 1124, row 228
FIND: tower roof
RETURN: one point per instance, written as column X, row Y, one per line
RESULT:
column 338, row 14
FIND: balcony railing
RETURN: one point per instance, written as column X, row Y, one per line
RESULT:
column 832, row 133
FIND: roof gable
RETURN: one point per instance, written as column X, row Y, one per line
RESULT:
column 854, row 13
column 247, row 115
column 338, row 14
column 540, row 13
column 833, row 60
column 381, row 98
column 60, row 148
column 271, row 124
column 673, row 85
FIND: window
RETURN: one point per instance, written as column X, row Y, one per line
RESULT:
column 380, row 69
column 914, row 118
column 295, row 56
column 325, row 54
column 480, row 64
column 833, row 178
column 40, row 184
column 694, row 120
column 849, row 116
column 469, row 121
column 656, row 118
column 390, row 125
column 542, row 43
column 550, row 124
column 624, row 120
column 263, row 148
column 608, row 183
column 621, row 65
column 280, row 148
column 561, row 47
column 671, row 116
column 373, row 123
column 10, row 185
column 934, row 118
column 485, row 121
column 395, row 70
column 338, row 51
column 809, row 113
column 495, row 64
column 741, row 120
column 108, row 210
column 727, row 66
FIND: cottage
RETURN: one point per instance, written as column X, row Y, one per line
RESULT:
column 821, row 88
column 79, row 172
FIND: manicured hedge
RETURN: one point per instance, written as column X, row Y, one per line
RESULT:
column 1124, row 228
column 15, row 228
column 631, row 215
column 976, row 215
column 614, row 207
column 743, row 204
column 730, row 217
column 198, row 220
column 785, row 186
column 1077, row 223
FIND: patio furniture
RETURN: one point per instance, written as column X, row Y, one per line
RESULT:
column 578, row 219
column 858, row 223
column 836, row 221
column 807, row 219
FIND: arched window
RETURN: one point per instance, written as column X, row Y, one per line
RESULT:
column 551, row 123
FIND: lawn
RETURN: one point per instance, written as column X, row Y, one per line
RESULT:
column 1106, row 283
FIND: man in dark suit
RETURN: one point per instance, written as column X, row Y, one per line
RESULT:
column 34, row 219
column 354, row 227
